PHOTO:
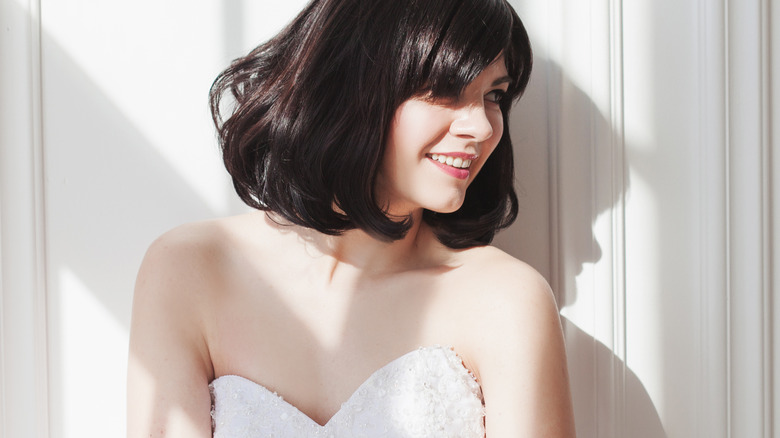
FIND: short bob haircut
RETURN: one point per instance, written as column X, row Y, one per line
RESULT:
column 310, row 110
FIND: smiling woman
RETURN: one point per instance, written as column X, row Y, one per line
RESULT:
column 460, row 135
column 315, row 103
column 363, row 298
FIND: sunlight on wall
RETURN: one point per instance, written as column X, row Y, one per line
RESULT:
column 644, row 324
column 155, row 61
column 639, row 75
column 261, row 20
column 578, row 56
column 604, row 116
column 644, row 313
column 93, row 362
column 130, row 153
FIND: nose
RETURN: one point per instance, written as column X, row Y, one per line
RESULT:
column 472, row 122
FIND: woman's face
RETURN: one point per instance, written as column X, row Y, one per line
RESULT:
column 435, row 149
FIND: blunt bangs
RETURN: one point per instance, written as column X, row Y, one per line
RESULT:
column 456, row 41
column 305, row 122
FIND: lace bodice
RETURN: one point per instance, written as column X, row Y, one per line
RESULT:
column 425, row 393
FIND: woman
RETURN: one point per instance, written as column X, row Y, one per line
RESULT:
column 362, row 298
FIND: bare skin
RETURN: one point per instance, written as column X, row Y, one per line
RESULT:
column 314, row 332
column 312, row 316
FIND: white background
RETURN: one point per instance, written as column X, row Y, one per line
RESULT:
column 644, row 157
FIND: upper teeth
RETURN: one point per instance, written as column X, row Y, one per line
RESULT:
column 452, row 161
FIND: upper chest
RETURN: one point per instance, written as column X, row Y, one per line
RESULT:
column 315, row 346
column 291, row 295
column 262, row 315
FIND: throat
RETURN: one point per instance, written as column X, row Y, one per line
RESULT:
column 357, row 254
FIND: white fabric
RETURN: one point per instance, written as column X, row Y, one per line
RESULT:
column 425, row 393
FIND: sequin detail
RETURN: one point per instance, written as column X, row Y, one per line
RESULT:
column 425, row 393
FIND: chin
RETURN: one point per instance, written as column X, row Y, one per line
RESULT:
column 447, row 207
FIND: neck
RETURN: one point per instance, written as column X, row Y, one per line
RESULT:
column 358, row 252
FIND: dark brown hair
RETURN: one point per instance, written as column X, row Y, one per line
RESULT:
column 309, row 110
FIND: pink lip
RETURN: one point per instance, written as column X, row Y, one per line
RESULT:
column 452, row 171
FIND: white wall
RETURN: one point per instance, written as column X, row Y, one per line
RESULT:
column 644, row 166
column 661, row 209
column 107, row 144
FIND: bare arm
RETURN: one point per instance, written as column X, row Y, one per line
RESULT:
column 522, row 362
column 169, row 369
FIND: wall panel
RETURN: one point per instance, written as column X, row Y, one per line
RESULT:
column 646, row 155
column 748, row 218
column 23, row 343
column 712, row 384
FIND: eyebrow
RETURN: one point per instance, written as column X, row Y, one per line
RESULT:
column 502, row 80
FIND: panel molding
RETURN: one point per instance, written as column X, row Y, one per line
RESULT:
column 773, row 68
column 731, row 153
column 588, row 186
column 618, row 213
column 24, row 368
column 712, row 379
column 749, row 219
column 609, row 200
column 767, row 217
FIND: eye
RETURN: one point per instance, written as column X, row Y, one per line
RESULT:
column 496, row 96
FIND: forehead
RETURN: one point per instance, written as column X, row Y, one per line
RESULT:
column 494, row 74
column 498, row 65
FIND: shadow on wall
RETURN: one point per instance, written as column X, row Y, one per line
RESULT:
column 97, row 163
column 109, row 193
column 578, row 175
column 107, row 188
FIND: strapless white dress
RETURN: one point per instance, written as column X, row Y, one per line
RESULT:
column 425, row 393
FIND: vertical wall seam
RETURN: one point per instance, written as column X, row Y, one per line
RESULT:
column 727, row 133
column 748, row 317
column 592, row 167
column 3, row 421
column 772, row 214
column 41, row 313
column 712, row 380
column 593, row 145
column 702, row 206
column 605, row 389
column 766, row 218
column 598, row 393
column 618, row 211
column 772, row 52
column 554, row 191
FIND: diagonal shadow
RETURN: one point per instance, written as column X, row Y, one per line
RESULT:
column 98, row 226
column 97, row 162
column 528, row 238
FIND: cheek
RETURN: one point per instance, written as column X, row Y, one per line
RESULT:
column 417, row 122
column 497, row 122
column 405, row 141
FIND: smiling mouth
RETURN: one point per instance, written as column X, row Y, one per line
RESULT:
column 453, row 161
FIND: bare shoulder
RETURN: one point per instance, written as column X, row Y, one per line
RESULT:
column 196, row 253
column 495, row 278
column 187, row 269
column 515, row 345
column 190, row 242
column 169, row 363
column 181, row 251
column 515, row 302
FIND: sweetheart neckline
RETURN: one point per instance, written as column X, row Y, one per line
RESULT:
column 446, row 349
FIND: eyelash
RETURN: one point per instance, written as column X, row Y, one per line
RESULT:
column 500, row 95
